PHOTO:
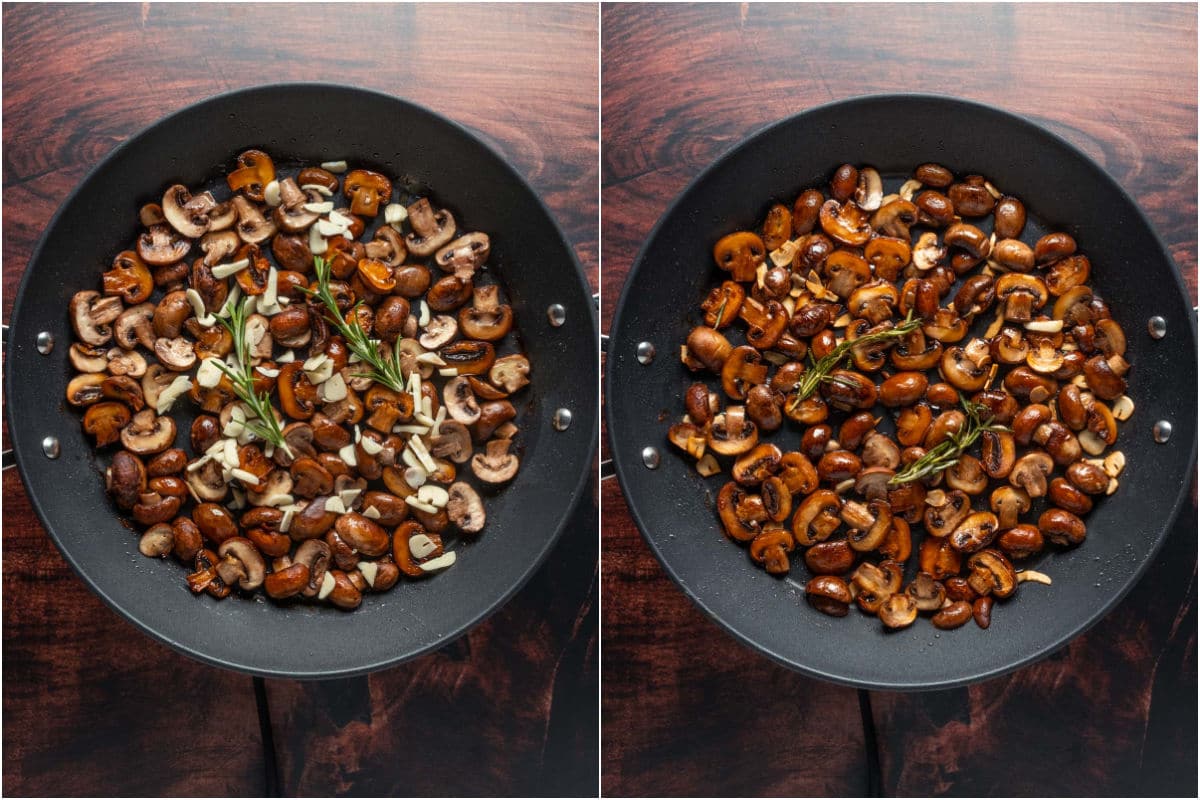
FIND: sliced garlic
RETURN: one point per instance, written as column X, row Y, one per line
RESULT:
column 246, row 477
column 209, row 374
column 909, row 188
column 415, row 477
column 286, row 522
column 287, row 357
column 202, row 316
column 415, row 503
column 394, row 214
column 319, row 208
column 1091, row 443
column 1044, row 325
column 335, row 505
column 340, row 220
column 1033, row 576
column 431, row 358
column 168, row 396
column 318, row 188
column 708, row 466
column 276, row 500
column 349, row 496
column 267, row 372
column 441, row 562
column 271, row 194
column 1122, row 407
column 421, row 545
column 334, row 389
column 371, row 512
column 199, row 462
column 328, row 229
column 782, row 256
column 420, row 430
column 334, row 166
column 433, row 495
column 419, row 450
column 448, row 372
column 327, row 584
column 371, row 447
column 423, row 314
column 316, row 242
column 223, row 271
column 348, row 455
column 369, row 570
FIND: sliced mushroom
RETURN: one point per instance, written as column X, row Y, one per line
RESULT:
column 92, row 315
column 991, row 574
column 205, row 482
column 510, row 373
column 496, row 465
column 464, row 255
column 160, row 245
column 252, row 227
column 241, row 563
column 440, row 331
column 291, row 214
column 453, row 442
column 148, row 433
column 486, row 319
column 430, row 229
column 129, row 278
column 1031, row 473
column 460, row 401
column 185, row 213
column 175, row 354
column 465, row 508
column 135, row 326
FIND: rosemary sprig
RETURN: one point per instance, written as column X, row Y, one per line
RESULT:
column 819, row 371
column 266, row 427
column 946, row 454
column 383, row 370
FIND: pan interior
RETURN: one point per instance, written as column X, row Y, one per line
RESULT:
column 423, row 153
column 1063, row 190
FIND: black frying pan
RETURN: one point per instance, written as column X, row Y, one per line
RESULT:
column 1063, row 189
column 422, row 152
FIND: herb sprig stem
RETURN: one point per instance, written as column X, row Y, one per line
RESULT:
column 947, row 453
column 266, row 426
column 382, row 369
column 818, row 371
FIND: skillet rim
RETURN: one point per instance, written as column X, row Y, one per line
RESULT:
column 626, row 478
column 21, row 446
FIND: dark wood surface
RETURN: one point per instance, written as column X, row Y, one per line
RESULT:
column 687, row 709
column 93, row 707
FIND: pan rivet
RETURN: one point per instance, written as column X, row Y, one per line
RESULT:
column 45, row 342
column 1157, row 327
column 50, row 447
column 645, row 352
column 562, row 419
column 1162, row 431
column 557, row 315
column 650, row 457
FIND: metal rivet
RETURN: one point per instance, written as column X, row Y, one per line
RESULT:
column 45, row 342
column 645, row 352
column 50, row 447
column 1162, row 431
column 1157, row 327
column 650, row 457
column 562, row 419
column 557, row 315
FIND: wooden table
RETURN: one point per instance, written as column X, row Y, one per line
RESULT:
column 93, row 707
column 687, row 709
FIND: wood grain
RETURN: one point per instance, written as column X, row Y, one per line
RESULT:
column 509, row 709
column 1112, row 714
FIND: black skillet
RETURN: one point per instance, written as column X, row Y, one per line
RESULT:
column 422, row 152
column 1063, row 190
